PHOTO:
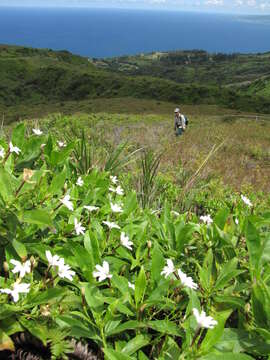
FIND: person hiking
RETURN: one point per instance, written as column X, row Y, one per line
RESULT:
column 179, row 122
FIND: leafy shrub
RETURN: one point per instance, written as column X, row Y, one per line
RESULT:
column 82, row 260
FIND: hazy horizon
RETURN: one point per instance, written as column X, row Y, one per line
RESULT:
column 252, row 7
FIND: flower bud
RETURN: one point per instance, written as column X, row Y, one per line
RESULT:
column 33, row 262
column 45, row 310
column 83, row 291
column 6, row 267
column 149, row 244
column 27, row 174
column 142, row 308
column 247, row 308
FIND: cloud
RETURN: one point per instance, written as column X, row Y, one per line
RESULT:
column 214, row 2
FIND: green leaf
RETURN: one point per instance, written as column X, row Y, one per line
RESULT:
column 91, row 244
column 140, row 286
column 111, row 354
column 37, row 330
column 254, row 247
column 46, row 296
column 165, row 327
column 6, row 190
column 38, row 217
column 226, row 356
column 214, row 335
column 221, row 217
column 129, row 325
column 19, row 248
column 58, row 182
column 135, row 344
column 5, row 342
column 18, row 135
column 227, row 273
column 157, row 263
column 78, row 328
column 94, row 298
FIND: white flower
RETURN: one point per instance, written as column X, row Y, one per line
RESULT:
column 79, row 229
column 125, row 241
column 2, row 153
column 116, row 208
column 22, row 268
column 187, row 281
column 246, row 201
column 118, row 190
column 206, row 219
column 61, row 144
column 114, row 179
column 169, row 269
column 37, row 132
column 204, row 321
column 64, row 270
column 91, row 208
column 14, row 148
column 79, row 182
column 132, row 286
column 52, row 260
column 236, row 221
column 111, row 225
column 66, row 201
column 103, row 272
column 17, row 289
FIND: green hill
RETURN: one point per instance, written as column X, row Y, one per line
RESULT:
column 30, row 78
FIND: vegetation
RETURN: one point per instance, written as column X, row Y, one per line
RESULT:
column 82, row 261
column 119, row 241
column 32, row 79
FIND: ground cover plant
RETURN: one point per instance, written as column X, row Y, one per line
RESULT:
column 82, row 261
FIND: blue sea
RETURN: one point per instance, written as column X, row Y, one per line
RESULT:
column 111, row 32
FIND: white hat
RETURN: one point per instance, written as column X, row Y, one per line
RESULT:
column 177, row 110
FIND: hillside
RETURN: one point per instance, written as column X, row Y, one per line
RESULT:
column 33, row 78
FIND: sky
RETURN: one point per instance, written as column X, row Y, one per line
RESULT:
column 232, row 6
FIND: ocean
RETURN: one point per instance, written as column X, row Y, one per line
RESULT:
column 110, row 32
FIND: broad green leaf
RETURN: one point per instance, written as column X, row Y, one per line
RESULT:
column 91, row 244
column 58, row 182
column 19, row 248
column 94, row 298
column 238, row 340
column 5, row 342
column 213, row 335
column 157, row 263
column 111, row 354
column 129, row 325
column 254, row 247
column 226, row 356
column 39, row 217
column 227, row 273
column 140, row 286
column 38, row 330
column 52, row 294
column 221, row 217
column 18, row 136
column 259, row 305
column 135, row 344
column 6, row 190
column 78, row 328
column 165, row 327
